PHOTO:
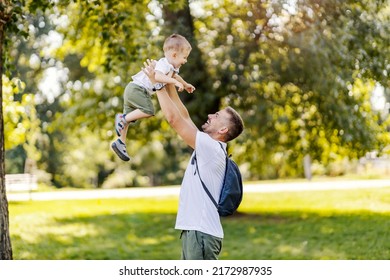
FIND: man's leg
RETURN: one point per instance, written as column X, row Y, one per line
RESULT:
column 212, row 246
column 197, row 245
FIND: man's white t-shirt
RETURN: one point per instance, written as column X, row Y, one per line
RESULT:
column 196, row 210
column 162, row 65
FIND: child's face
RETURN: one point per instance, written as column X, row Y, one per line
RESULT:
column 177, row 59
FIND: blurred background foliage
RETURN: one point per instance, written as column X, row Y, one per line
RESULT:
column 309, row 77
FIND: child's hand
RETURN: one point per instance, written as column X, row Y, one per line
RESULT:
column 179, row 86
column 189, row 88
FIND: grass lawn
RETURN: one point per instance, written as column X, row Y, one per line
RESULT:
column 342, row 224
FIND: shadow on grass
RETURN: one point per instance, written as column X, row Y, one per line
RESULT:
column 303, row 235
column 117, row 236
column 148, row 236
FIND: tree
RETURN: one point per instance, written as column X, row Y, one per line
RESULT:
column 111, row 41
column 6, row 10
column 258, row 57
column 10, row 22
column 301, row 73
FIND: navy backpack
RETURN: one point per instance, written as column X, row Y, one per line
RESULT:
column 231, row 192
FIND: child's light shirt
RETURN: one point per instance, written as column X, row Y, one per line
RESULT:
column 162, row 66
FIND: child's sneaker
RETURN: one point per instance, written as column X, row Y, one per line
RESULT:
column 120, row 149
column 120, row 123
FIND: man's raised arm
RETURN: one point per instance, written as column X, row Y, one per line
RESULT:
column 174, row 110
column 179, row 104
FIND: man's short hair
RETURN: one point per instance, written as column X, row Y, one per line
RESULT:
column 236, row 124
column 177, row 43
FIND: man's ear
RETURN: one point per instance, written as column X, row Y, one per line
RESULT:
column 224, row 130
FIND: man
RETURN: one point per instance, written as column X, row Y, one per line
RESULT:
column 197, row 216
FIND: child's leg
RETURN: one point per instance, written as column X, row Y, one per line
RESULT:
column 136, row 115
column 119, row 146
column 134, row 97
column 132, row 117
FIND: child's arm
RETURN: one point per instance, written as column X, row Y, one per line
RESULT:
column 188, row 87
column 166, row 79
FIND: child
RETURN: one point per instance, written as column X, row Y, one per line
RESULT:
column 137, row 95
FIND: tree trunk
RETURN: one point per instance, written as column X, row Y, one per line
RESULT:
column 195, row 72
column 5, row 240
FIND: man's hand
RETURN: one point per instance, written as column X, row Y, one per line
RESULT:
column 179, row 86
column 150, row 64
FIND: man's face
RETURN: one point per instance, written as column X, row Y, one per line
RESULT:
column 216, row 122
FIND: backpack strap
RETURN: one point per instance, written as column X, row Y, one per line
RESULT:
column 223, row 149
column 203, row 184
column 227, row 162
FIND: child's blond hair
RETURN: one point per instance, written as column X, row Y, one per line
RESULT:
column 176, row 43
